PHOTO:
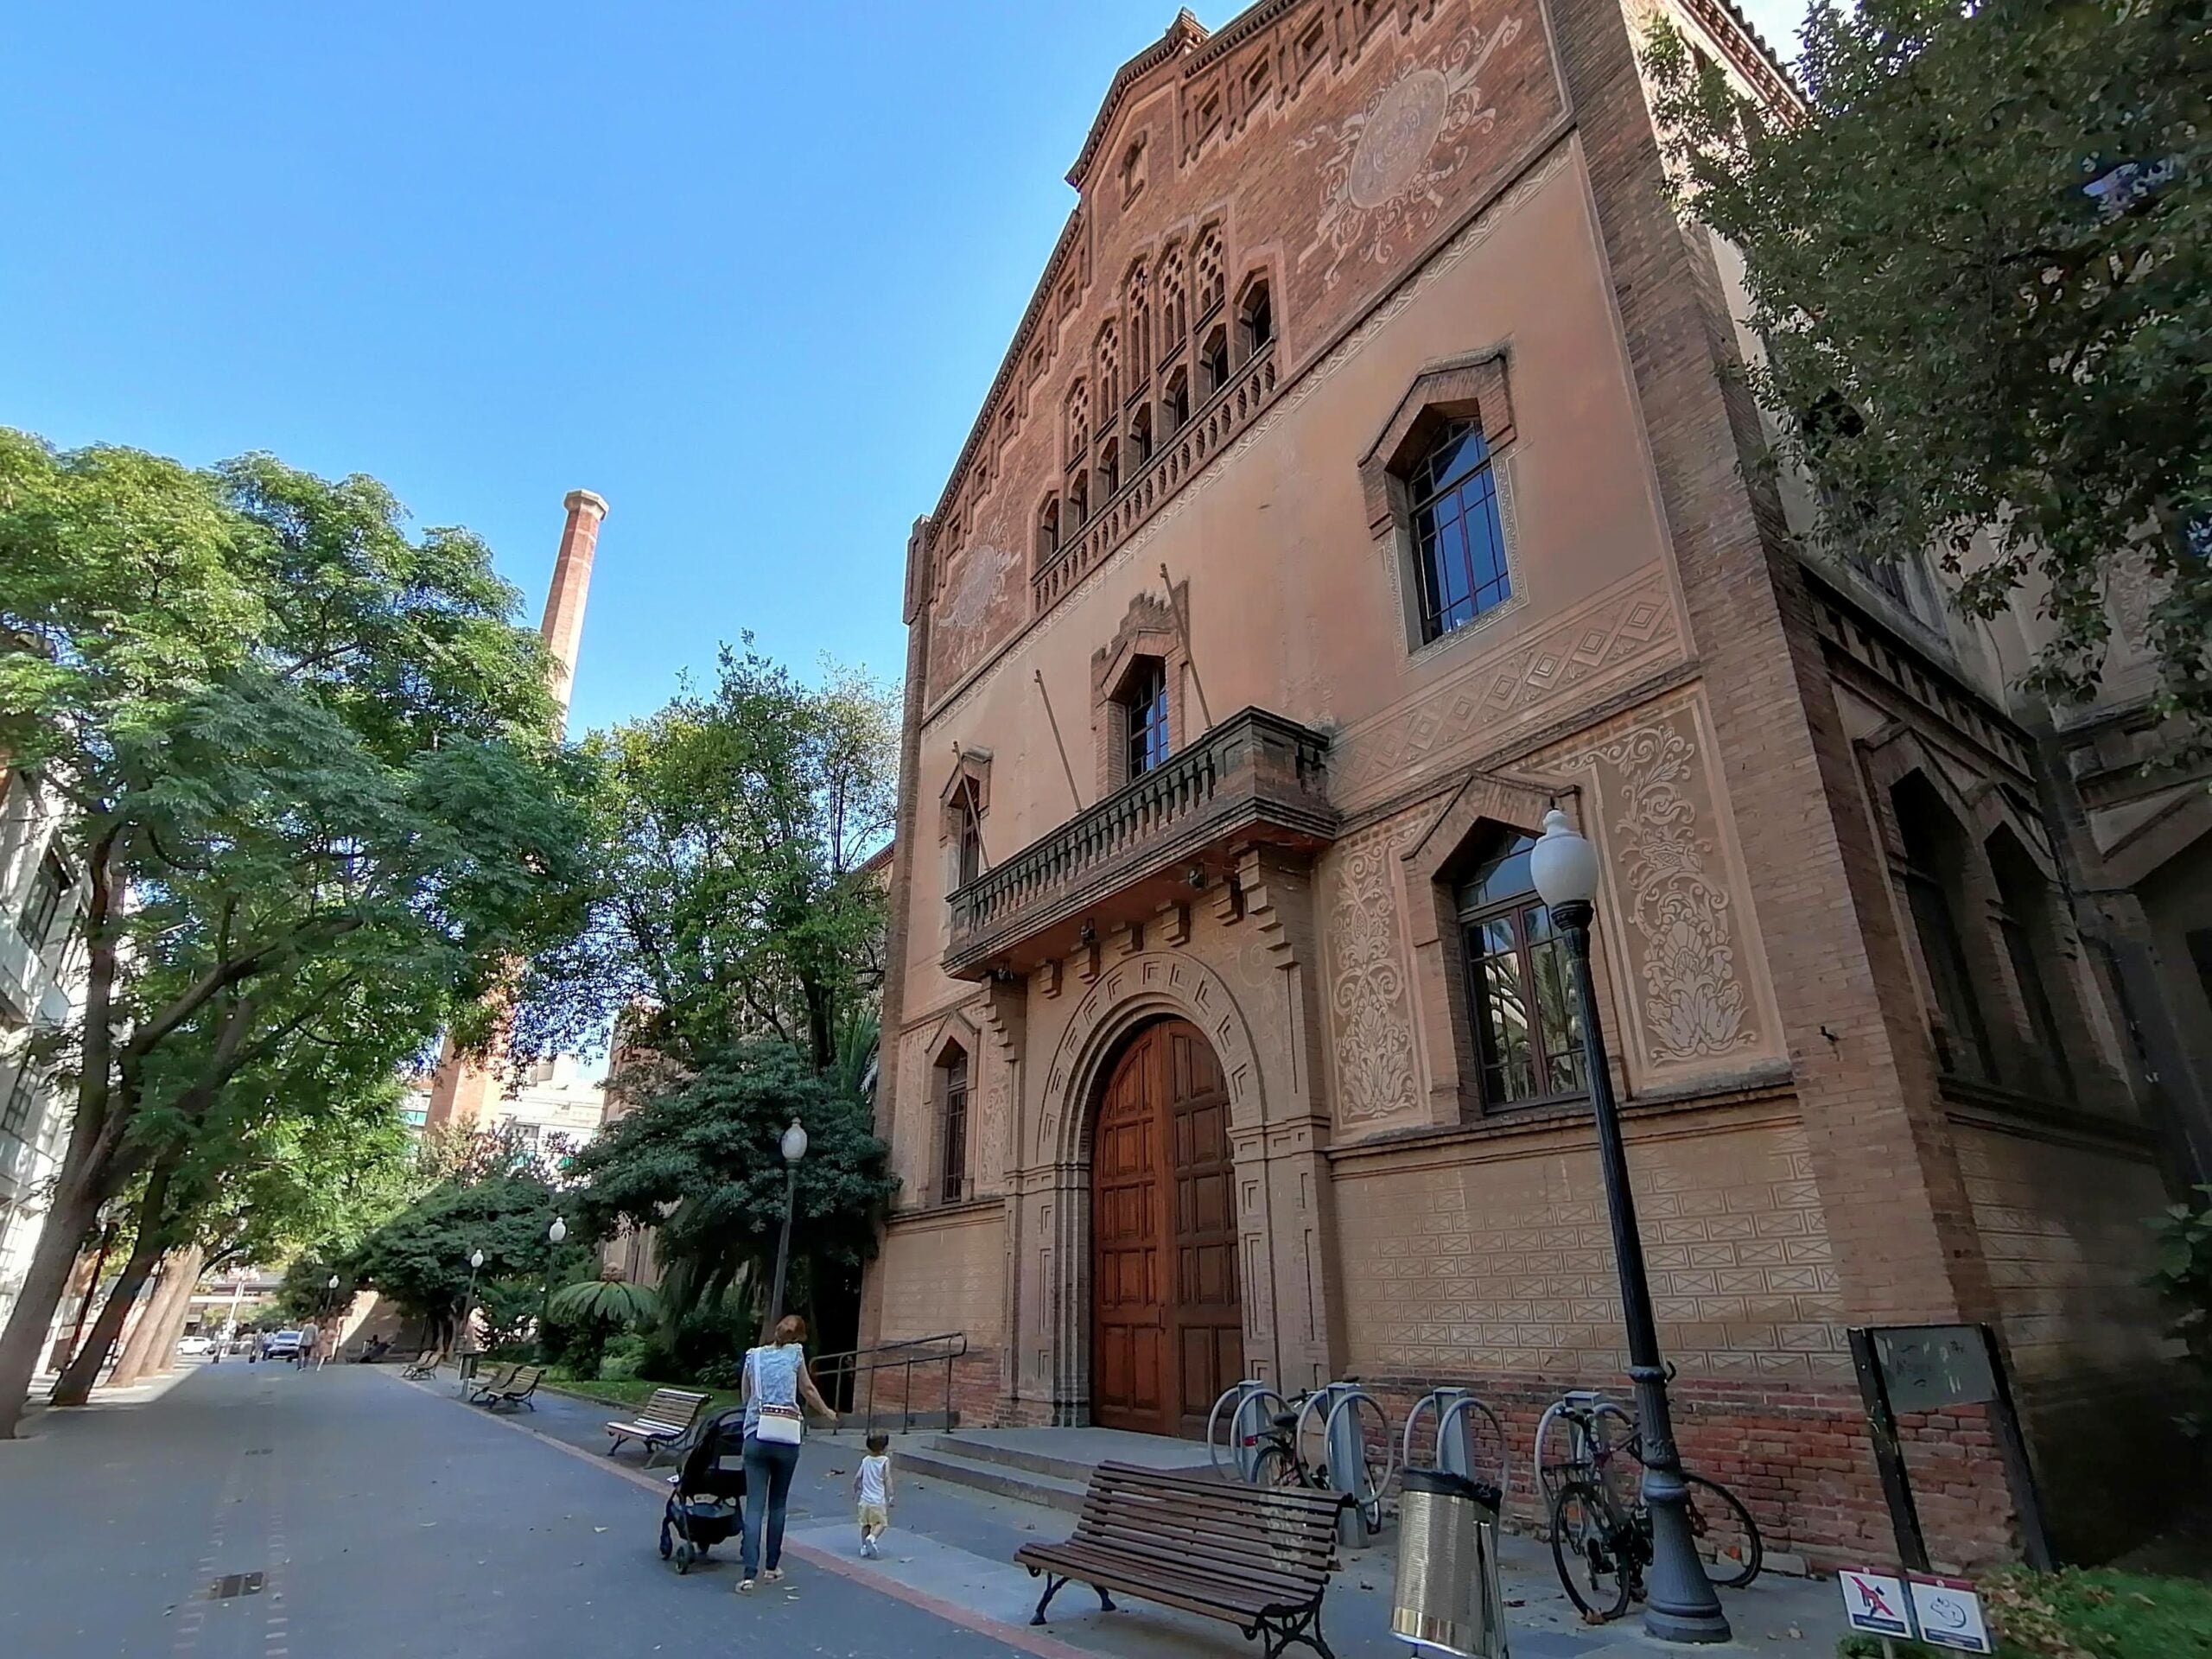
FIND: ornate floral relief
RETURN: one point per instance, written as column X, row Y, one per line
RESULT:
column 979, row 602
column 1387, row 164
column 1694, row 1003
column 1367, row 986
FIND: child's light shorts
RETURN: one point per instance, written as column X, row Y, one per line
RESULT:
column 874, row 1518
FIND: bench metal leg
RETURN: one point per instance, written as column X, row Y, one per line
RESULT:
column 1105, row 1601
column 1306, row 1629
column 1051, row 1588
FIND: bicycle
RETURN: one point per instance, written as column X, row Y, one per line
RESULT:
column 1600, row 1526
column 1281, row 1462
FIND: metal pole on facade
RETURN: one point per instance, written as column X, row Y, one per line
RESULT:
column 1681, row 1606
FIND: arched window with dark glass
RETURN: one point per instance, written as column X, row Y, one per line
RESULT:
column 1109, row 471
column 1527, row 1038
column 1079, row 502
column 1144, row 702
column 1141, row 436
column 1458, row 543
column 967, row 849
column 1931, row 873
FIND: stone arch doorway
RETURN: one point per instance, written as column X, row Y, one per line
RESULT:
column 1168, row 1323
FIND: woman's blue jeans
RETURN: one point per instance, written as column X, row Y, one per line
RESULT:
column 768, row 1470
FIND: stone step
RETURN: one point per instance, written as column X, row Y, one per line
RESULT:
column 1032, row 1460
column 932, row 1462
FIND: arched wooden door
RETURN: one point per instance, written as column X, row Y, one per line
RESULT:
column 1167, row 1331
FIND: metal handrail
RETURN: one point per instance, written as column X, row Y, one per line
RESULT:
column 833, row 1370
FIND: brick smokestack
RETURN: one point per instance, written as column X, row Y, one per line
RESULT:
column 462, row 1091
column 562, row 629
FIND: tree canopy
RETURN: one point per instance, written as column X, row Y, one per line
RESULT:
column 420, row 1257
column 1981, row 262
column 733, row 902
column 699, row 1161
column 313, row 791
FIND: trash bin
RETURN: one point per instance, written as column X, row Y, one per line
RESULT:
column 1448, row 1599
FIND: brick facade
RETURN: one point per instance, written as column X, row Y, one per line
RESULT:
column 1458, row 211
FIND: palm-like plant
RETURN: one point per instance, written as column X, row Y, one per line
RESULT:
column 607, row 1299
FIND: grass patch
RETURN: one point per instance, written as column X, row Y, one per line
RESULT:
column 2078, row 1613
column 633, row 1390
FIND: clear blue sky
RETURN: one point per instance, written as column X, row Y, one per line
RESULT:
column 745, row 270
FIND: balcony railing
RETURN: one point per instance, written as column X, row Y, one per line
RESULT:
column 1225, row 414
column 1254, row 778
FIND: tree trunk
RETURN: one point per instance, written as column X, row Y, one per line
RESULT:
column 75, row 1385
column 131, row 1364
column 74, row 1213
column 163, row 1358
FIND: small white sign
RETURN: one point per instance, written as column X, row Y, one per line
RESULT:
column 1875, row 1602
column 1949, row 1614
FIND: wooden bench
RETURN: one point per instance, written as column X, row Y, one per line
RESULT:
column 425, row 1365
column 663, row 1421
column 481, row 1388
column 516, row 1390
column 1255, row 1557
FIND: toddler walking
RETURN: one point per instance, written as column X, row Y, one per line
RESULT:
column 872, row 1485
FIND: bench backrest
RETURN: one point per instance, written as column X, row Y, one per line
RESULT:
column 1285, row 1538
column 524, row 1380
column 498, row 1379
column 674, row 1408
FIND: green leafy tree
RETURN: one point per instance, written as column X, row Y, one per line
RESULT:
column 420, row 1257
column 734, row 902
column 701, row 1163
column 1981, row 262
column 306, row 761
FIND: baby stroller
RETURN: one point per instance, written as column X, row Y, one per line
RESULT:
column 708, row 1495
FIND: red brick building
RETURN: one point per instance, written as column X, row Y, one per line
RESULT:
column 1366, row 474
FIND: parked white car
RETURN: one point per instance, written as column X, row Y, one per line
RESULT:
column 283, row 1344
column 192, row 1347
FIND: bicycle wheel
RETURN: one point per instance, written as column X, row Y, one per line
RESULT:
column 1726, row 1536
column 1588, row 1540
column 1273, row 1468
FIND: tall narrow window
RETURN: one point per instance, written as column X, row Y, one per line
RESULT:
column 1175, row 404
column 1928, row 875
column 1213, row 362
column 1458, row 544
column 1256, row 320
column 968, row 852
column 2024, row 923
column 1527, row 1036
column 1048, row 531
column 952, row 1107
column 1109, row 471
column 1141, row 436
column 22, row 1092
column 44, row 903
column 1144, row 705
column 1079, row 502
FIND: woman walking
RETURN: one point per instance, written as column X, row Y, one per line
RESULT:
column 778, row 1392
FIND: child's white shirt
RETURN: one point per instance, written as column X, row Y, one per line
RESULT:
column 875, row 1480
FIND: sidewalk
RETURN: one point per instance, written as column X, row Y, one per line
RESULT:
column 956, row 1546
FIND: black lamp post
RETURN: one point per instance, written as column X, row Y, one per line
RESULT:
column 1680, row 1605
column 554, row 1236
column 793, row 1149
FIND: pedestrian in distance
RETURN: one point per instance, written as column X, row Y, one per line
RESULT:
column 326, row 1344
column 872, row 1486
column 778, row 1391
column 305, row 1352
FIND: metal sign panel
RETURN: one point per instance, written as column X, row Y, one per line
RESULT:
column 1928, row 1367
column 1949, row 1614
column 1875, row 1602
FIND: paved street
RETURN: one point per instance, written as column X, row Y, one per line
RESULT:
column 389, row 1519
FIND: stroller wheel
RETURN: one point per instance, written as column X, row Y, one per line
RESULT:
column 684, row 1558
column 665, row 1546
